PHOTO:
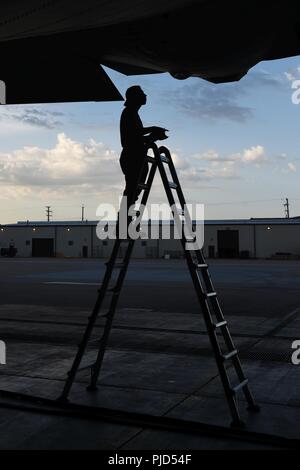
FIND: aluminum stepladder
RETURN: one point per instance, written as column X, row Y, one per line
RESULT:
column 206, row 294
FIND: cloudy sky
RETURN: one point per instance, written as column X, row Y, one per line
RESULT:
column 236, row 147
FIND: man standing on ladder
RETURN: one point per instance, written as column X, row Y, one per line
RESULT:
column 133, row 157
column 134, row 140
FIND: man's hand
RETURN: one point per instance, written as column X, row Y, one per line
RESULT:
column 158, row 133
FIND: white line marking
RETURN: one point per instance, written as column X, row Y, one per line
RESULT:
column 74, row 283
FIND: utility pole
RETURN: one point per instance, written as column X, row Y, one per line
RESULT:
column 286, row 206
column 82, row 212
column 48, row 213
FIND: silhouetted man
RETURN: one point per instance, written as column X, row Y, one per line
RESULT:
column 134, row 140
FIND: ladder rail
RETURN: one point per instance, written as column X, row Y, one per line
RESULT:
column 202, row 301
column 105, row 337
column 202, row 297
column 226, row 333
column 95, row 371
column 110, row 316
column 164, row 177
column 90, row 325
column 175, row 178
column 96, row 367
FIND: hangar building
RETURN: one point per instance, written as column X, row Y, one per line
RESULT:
column 245, row 238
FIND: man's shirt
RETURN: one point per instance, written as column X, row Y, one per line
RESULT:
column 131, row 130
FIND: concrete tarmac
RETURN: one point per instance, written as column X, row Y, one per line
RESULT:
column 159, row 359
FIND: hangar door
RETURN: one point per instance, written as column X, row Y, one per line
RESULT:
column 43, row 247
column 228, row 243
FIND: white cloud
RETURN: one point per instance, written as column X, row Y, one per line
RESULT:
column 215, row 167
column 291, row 167
column 209, row 155
column 68, row 166
column 27, row 116
column 210, row 165
column 71, row 169
column 179, row 161
column 214, row 157
column 282, row 156
column 292, row 74
column 290, row 77
column 226, row 171
column 254, row 154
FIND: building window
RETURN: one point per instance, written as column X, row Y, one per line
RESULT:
column 70, row 243
column 27, row 243
column 144, row 243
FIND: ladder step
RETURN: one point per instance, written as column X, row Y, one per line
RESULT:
column 240, row 386
column 220, row 324
column 172, row 185
column 116, row 265
column 201, row 266
column 150, row 159
column 88, row 366
column 190, row 239
column 137, row 213
column 210, row 294
column 229, row 355
column 113, row 290
column 96, row 340
column 185, row 213
column 143, row 186
column 164, row 159
column 180, row 211
column 103, row 315
column 110, row 292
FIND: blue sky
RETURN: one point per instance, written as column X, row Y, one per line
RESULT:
column 236, row 147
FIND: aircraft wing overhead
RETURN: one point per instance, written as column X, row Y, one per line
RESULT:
column 57, row 46
column 57, row 81
column 24, row 19
column 45, row 55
